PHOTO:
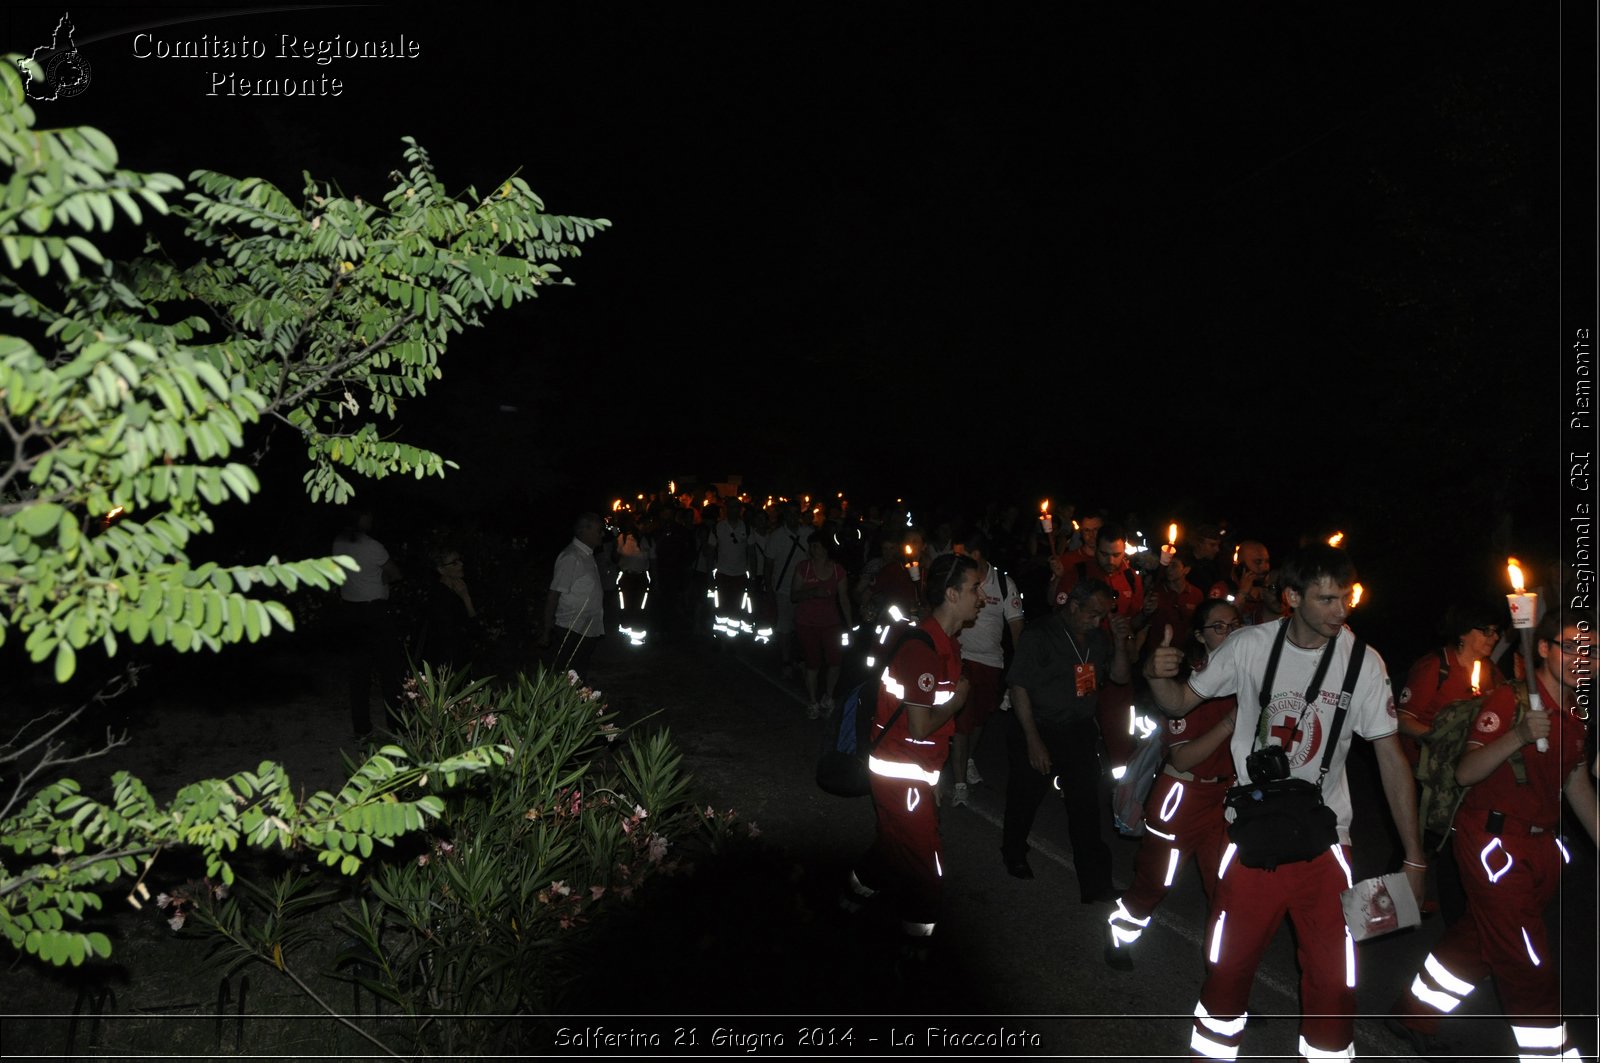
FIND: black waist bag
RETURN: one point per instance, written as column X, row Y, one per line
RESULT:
column 1280, row 822
column 1285, row 820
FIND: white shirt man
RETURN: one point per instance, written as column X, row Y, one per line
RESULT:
column 1249, row 902
column 574, row 608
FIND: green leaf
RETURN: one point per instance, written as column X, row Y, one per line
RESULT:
column 66, row 662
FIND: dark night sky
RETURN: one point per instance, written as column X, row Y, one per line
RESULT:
column 1283, row 263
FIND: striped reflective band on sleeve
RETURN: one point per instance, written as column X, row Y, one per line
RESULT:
column 940, row 697
column 1528, row 944
column 1169, row 806
column 894, row 769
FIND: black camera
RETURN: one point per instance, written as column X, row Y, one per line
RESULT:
column 1267, row 764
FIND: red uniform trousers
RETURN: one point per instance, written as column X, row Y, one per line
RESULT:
column 983, row 695
column 1182, row 818
column 904, row 858
column 1510, row 879
column 1248, row 907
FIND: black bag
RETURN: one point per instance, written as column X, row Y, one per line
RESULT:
column 1282, row 820
column 842, row 767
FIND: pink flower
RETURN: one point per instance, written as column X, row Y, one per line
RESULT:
column 163, row 899
column 561, row 889
column 639, row 812
column 658, row 848
column 490, row 720
column 422, row 861
column 596, row 892
column 176, row 922
column 572, row 677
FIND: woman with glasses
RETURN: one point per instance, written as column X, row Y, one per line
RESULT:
column 1183, row 815
column 1445, row 675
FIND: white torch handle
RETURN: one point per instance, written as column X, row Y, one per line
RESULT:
column 1535, row 705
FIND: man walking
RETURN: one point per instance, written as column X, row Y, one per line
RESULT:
column 1287, row 676
column 574, row 607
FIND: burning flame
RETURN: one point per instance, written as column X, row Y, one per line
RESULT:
column 672, row 487
column 1236, row 555
column 1172, row 534
column 1044, row 507
column 616, row 505
column 1356, row 594
column 908, row 549
column 1476, row 665
column 1514, row 568
column 1336, row 538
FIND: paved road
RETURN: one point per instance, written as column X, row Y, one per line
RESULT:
column 1021, row 959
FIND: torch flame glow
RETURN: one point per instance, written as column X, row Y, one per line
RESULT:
column 1514, row 568
column 1356, row 593
column 1476, row 666
column 908, row 549
column 1336, row 538
column 1044, row 507
column 616, row 505
column 1172, row 534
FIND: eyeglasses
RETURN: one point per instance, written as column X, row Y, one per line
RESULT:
column 1220, row 628
column 1488, row 631
column 1574, row 646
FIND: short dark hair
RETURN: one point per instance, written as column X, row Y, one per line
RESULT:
column 1315, row 562
column 1085, row 589
column 1465, row 616
column 1111, row 531
column 1550, row 626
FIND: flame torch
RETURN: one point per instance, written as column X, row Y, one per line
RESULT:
column 1524, row 610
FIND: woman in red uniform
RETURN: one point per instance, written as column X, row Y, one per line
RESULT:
column 1183, row 815
column 925, row 677
column 1445, row 675
column 1507, row 842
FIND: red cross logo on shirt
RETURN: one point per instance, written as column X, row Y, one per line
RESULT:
column 1297, row 716
column 1284, row 732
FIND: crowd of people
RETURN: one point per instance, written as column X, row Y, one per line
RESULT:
column 1071, row 630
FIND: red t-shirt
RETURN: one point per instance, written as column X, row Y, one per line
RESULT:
column 1128, row 590
column 922, row 675
column 1424, row 695
column 897, row 588
column 1175, row 608
column 1539, row 802
column 1201, row 719
column 818, row 612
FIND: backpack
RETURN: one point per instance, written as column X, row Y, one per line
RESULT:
column 1133, row 789
column 842, row 766
column 1438, row 793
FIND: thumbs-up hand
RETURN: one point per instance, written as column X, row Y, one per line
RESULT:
column 1166, row 659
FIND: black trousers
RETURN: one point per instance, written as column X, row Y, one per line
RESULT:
column 1075, row 774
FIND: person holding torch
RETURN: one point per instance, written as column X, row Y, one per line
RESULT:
column 1508, row 845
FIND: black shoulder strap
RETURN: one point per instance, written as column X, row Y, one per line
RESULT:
column 1000, row 577
column 1351, row 674
column 1313, row 691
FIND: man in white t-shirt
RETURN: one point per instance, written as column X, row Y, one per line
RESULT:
column 370, row 640
column 983, row 660
column 733, row 550
column 784, row 549
column 1250, row 903
column 574, row 616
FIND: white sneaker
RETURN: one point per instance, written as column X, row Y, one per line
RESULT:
column 972, row 772
column 958, row 795
column 826, row 705
column 814, row 711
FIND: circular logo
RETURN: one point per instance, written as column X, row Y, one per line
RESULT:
column 1405, row 695
column 68, row 74
column 1489, row 721
column 1177, row 726
column 925, row 682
